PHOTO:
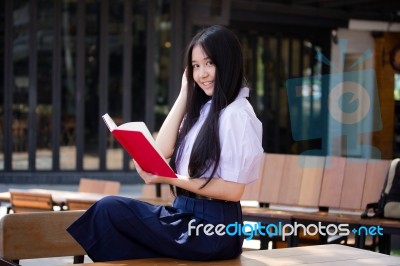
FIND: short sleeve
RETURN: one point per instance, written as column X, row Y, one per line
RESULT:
column 241, row 147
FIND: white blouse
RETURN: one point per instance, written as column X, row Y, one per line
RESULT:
column 240, row 133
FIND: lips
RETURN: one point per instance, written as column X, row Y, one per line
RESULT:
column 207, row 87
column 207, row 83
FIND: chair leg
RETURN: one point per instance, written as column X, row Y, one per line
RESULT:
column 4, row 262
column 384, row 243
column 79, row 259
column 264, row 242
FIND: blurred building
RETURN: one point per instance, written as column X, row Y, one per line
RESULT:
column 64, row 63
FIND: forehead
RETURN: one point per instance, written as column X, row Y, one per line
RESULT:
column 198, row 53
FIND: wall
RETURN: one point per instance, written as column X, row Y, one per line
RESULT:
column 384, row 43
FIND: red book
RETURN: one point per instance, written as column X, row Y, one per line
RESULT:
column 137, row 140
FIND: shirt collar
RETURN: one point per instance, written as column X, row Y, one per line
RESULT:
column 243, row 93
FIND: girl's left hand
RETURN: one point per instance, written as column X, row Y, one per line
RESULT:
column 147, row 177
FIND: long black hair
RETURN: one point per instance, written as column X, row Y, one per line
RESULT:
column 223, row 48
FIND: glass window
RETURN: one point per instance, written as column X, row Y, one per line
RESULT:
column 2, row 39
column 397, row 87
column 44, row 38
column 21, row 85
column 116, row 62
column 259, row 107
column 396, row 139
column 161, row 64
column 116, row 31
column 68, row 106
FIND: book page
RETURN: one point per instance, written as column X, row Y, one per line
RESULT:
column 133, row 126
column 109, row 122
column 141, row 127
column 138, row 126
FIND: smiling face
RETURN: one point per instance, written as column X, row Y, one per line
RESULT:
column 203, row 70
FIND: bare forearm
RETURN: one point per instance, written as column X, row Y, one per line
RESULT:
column 216, row 189
column 166, row 137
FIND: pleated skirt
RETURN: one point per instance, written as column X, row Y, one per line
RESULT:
column 119, row 228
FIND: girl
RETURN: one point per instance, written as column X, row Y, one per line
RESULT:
column 213, row 139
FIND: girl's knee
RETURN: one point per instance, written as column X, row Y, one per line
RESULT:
column 108, row 202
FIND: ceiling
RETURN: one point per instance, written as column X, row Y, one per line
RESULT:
column 320, row 13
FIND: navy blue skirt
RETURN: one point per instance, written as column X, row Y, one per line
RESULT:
column 119, row 228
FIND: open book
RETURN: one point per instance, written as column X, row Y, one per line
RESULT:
column 137, row 140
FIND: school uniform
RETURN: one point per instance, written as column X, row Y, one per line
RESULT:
column 119, row 228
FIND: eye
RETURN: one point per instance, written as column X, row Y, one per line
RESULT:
column 195, row 66
column 210, row 63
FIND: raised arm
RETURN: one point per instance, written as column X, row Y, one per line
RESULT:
column 166, row 137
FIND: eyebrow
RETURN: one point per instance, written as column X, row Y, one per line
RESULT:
column 205, row 58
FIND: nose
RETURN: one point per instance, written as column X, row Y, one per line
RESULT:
column 203, row 71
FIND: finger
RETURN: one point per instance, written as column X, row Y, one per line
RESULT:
column 137, row 166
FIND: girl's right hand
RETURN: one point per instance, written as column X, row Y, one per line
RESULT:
column 184, row 84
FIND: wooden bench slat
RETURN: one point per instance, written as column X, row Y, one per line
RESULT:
column 25, row 201
column 311, row 181
column 253, row 190
column 38, row 235
column 332, row 182
column 107, row 187
column 149, row 193
column 353, row 185
column 289, row 189
column 271, row 177
column 374, row 180
column 78, row 204
column 315, row 255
